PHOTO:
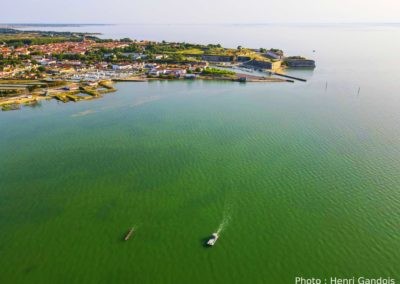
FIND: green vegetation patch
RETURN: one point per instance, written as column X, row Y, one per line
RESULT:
column 217, row 72
column 10, row 107
column 191, row 51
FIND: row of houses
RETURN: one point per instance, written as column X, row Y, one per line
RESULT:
column 25, row 71
column 186, row 70
column 136, row 56
column 80, row 47
column 50, row 62
column 6, row 51
column 132, row 55
column 127, row 66
column 176, row 72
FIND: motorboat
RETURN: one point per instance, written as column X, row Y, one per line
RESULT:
column 213, row 239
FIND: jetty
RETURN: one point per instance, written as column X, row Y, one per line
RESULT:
column 287, row 76
column 129, row 234
column 242, row 77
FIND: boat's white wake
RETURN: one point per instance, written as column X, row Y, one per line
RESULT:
column 226, row 218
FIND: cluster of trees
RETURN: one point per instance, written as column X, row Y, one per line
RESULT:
column 89, row 57
column 277, row 50
column 63, row 56
column 36, row 41
column 23, row 38
column 217, row 72
column 10, row 61
column 95, row 56
column 213, row 46
column 131, row 48
column 99, row 40
column 154, row 48
column 164, row 47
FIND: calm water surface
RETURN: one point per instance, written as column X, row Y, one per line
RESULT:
column 302, row 179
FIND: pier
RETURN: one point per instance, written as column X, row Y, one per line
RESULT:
column 287, row 76
column 242, row 77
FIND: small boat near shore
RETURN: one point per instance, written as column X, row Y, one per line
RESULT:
column 213, row 239
column 129, row 234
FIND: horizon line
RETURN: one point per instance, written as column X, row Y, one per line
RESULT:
column 198, row 23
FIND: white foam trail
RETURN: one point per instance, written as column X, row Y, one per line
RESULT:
column 226, row 219
column 223, row 225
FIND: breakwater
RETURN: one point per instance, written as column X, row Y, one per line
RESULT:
column 288, row 76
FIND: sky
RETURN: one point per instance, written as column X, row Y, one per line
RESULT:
column 203, row 11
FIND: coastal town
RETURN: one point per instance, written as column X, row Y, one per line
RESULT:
column 36, row 66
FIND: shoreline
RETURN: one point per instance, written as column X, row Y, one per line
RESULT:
column 65, row 93
column 73, row 66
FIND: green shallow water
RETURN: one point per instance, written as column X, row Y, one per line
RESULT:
column 299, row 189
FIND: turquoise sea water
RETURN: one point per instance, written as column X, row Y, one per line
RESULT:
column 302, row 179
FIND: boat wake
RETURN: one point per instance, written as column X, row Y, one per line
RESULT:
column 226, row 219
